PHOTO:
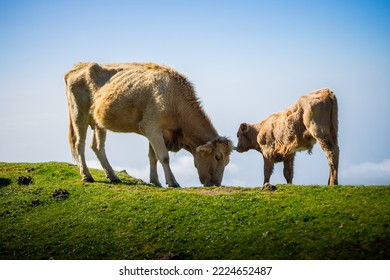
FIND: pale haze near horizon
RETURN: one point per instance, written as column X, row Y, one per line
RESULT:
column 246, row 59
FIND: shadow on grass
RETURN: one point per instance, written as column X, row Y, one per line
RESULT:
column 126, row 182
column 4, row 182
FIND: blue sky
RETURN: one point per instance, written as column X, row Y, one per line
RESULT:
column 247, row 60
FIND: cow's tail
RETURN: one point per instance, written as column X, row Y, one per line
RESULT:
column 71, row 132
column 334, row 116
column 72, row 138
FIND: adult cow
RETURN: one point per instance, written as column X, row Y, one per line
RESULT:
column 312, row 118
column 148, row 99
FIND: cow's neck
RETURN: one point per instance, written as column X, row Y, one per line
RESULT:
column 197, row 132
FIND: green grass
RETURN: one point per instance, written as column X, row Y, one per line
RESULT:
column 133, row 220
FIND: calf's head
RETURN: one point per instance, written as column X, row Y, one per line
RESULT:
column 211, row 158
column 244, row 143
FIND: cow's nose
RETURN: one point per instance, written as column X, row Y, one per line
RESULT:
column 210, row 183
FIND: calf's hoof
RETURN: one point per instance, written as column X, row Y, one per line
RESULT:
column 268, row 187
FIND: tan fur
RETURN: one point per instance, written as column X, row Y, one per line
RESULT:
column 148, row 99
column 312, row 118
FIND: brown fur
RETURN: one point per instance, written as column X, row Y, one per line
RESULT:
column 312, row 118
column 148, row 99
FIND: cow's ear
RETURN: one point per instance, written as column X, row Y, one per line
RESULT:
column 244, row 127
column 206, row 148
column 226, row 144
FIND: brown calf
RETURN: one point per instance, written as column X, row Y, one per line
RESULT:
column 312, row 118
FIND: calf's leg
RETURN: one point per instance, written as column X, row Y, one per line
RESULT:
column 98, row 146
column 288, row 170
column 268, row 169
column 332, row 152
column 323, row 128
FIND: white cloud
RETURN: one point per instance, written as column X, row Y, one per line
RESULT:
column 184, row 170
column 94, row 164
column 231, row 176
column 366, row 173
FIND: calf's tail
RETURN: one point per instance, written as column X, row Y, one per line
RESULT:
column 334, row 116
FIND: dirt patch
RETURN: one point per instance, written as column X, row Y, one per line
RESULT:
column 60, row 194
column 213, row 190
column 22, row 180
column 36, row 202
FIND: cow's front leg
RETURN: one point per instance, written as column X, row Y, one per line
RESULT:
column 268, row 169
column 153, row 167
column 158, row 145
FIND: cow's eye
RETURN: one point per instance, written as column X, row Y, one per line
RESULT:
column 218, row 157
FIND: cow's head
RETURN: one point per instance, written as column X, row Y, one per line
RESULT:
column 211, row 158
column 244, row 143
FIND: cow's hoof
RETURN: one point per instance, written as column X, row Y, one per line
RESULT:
column 156, row 184
column 116, row 180
column 174, row 186
column 88, row 180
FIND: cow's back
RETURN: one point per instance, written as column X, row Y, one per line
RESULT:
column 141, row 92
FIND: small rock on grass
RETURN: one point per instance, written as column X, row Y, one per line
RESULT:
column 22, row 180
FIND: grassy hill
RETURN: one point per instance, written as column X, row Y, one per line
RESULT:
column 133, row 220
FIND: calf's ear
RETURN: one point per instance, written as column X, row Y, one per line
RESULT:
column 244, row 127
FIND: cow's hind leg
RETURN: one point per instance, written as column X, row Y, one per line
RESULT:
column 77, row 135
column 98, row 146
column 332, row 152
column 288, row 170
column 153, row 167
